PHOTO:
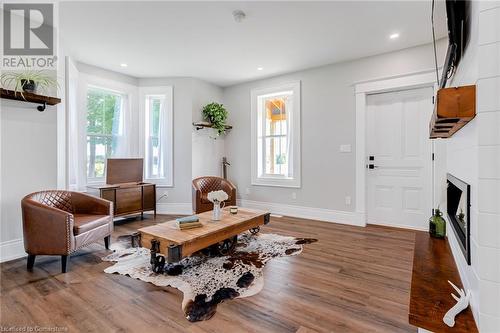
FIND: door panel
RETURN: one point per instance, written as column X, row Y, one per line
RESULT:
column 399, row 187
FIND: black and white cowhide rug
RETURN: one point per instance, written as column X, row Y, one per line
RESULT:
column 209, row 280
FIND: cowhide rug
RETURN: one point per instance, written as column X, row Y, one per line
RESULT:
column 209, row 280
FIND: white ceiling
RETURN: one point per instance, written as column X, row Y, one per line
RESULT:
column 201, row 39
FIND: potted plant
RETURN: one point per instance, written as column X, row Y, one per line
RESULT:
column 216, row 114
column 28, row 81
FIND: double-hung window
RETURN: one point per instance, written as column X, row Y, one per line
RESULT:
column 104, row 126
column 276, row 136
column 158, row 129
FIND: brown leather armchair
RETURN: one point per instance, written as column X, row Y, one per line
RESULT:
column 203, row 185
column 61, row 222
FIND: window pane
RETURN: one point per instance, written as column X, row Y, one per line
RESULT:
column 275, row 117
column 154, row 156
column 103, row 125
column 276, row 162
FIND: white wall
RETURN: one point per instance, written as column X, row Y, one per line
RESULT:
column 208, row 148
column 28, row 164
column 473, row 155
column 328, row 120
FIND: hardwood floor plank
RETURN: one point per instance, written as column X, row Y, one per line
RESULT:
column 353, row 280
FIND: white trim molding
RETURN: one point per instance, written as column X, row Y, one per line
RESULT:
column 320, row 214
column 257, row 129
column 174, row 208
column 12, row 249
column 362, row 90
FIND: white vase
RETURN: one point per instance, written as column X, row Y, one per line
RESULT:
column 217, row 212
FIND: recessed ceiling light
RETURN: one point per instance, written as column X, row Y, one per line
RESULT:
column 259, row 68
column 123, row 65
column 394, row 36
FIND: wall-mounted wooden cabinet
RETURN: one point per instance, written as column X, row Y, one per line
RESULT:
column 455, row 107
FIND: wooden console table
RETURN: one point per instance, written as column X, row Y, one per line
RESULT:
column 430, row 299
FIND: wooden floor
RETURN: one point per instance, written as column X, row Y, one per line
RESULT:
column 353, row 280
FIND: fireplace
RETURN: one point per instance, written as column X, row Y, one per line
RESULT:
column 458, row 209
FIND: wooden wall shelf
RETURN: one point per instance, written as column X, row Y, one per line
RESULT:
column 201, row 125
column 430, row 299
column 455, row 107
column 30, row 98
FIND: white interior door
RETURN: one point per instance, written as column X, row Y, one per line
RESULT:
column 399, row 187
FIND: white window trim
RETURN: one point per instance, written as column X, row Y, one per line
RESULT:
column 167, row 91
column 278, row 180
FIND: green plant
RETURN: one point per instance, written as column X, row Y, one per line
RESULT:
column 217, row 115
column 17, row 80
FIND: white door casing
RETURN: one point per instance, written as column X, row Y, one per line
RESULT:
column 362, row 89
column 399, row 188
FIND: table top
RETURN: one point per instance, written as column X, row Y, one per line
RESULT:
column 169, row 230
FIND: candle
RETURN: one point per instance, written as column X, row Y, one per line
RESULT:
column 233, row 209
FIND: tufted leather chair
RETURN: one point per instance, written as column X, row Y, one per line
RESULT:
column 60, row 222
column 203, row 185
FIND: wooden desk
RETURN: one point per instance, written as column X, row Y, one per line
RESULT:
column 430, row 299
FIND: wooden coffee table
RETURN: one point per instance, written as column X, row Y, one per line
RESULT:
column 174, row 244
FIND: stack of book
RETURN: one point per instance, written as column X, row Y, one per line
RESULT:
column 188, row 222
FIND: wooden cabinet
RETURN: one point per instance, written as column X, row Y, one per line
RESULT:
column 131, row 198
column 125, row 188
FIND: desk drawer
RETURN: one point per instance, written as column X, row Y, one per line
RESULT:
column 128, row 200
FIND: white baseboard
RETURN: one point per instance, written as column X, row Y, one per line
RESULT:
column 402, row 226
column 12, row 249
column 312, row 213
column 181, row 208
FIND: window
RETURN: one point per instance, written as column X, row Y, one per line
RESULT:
column 104, row 125
column 154, row 158
column 157, row 104
column 276, row 136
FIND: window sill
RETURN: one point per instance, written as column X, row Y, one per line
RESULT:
column 159, row 184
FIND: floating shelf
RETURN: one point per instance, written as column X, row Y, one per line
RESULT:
column 455, row 107
column 30, row 98
column 201, row 125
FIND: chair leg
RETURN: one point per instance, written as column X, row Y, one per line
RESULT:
column 31, row 262
column 107, row 240
column 65, row 263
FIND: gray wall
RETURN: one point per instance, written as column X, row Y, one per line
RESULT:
column 328, row 120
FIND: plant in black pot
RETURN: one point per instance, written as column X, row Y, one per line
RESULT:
column 216, row 114
column 28, row 81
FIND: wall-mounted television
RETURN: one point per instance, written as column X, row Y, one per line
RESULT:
column 458, row 19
